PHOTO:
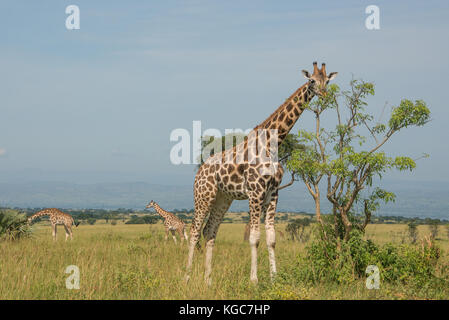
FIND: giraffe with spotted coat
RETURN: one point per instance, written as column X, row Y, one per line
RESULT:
column 57, row 217
column 243, row 172
column 171, row 222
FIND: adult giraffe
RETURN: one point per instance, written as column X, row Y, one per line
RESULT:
column 243, row 172
column 57, row 217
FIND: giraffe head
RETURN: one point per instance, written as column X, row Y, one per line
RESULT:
column 150, row 204
column 319, row 79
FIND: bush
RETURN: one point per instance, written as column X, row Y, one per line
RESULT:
column 346, row 261
column 296, row 229
column 113, row 222
column 91, row 221
column 142, row 220
column 13, row 225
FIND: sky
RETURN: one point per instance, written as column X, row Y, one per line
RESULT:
column 98, row 104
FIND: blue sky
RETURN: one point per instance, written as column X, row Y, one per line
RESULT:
column 98, row 104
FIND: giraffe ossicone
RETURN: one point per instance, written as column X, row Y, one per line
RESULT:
column 240, row 173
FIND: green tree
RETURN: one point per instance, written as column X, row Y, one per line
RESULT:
column 346, row 161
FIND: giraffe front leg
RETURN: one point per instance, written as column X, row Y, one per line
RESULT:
column 54, row 232
column 271, row 233
column 67, row 234
column 254, row 234
column 181, row 236
column 166, row 233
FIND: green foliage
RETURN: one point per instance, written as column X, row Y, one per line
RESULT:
column 349, row 161
column 409, row 114
column 346, row 262
column 296, row 228
column 91, row 221
column 13, row 225
column 142, row 220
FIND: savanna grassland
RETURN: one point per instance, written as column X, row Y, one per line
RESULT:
column 134, row 262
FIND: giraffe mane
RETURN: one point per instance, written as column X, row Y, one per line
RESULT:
column 287, row 101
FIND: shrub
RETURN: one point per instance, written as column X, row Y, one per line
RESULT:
column 413, row 231
column 346, row 261
column 13, row 225
column 142, row 220
column 296, row 229
column 113, row 222
column 91, row 221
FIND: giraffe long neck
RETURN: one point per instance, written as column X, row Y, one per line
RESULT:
column 164, row 214
column 39, row 214
column 284, row 118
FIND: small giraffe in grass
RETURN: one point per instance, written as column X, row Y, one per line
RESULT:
column 171, row 222
column 57, row 217
column 240, row 173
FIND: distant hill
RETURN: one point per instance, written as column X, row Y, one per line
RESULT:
column 423, row 199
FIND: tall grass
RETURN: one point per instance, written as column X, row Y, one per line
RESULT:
column 134, row 262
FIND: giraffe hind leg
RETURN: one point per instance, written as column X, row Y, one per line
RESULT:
column 173, row 233
column 202, row 208
column 220, row 207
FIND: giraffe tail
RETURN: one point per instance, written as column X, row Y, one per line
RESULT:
column 77, row 223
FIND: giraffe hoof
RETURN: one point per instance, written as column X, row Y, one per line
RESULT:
column 208, row 281
column 254, row 281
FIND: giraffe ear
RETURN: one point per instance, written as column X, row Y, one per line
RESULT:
column 306, row 74
column 332, row 75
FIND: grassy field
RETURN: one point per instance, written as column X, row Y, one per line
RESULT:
column 134, row 262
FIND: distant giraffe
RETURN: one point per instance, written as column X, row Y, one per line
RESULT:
column 281, row 234
column 57, row 217
column 171, row 222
